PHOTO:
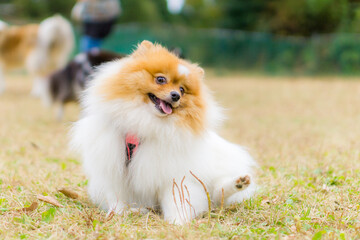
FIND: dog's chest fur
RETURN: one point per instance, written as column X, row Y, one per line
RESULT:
column 153, row 167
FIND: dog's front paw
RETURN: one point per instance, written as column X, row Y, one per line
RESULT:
column 125, row 210
column 242, row 182
column 140, row 211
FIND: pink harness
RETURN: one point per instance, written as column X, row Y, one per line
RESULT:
column 131, row 143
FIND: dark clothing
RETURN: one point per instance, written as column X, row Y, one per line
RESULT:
column 98, row 30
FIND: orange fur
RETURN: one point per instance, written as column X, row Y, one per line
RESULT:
column 16, row 43
column 137, row 78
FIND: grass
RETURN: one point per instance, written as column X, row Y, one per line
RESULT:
column 303, row 132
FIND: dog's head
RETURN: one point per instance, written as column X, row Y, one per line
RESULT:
column 170, row 87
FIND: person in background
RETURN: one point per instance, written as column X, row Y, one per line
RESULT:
column 97, row 18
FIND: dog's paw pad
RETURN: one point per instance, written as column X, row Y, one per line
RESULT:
column 242, row 182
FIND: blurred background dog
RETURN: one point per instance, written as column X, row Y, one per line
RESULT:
column 38, row 48
column 66, row 84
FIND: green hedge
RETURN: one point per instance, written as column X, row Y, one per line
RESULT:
column 335, row 53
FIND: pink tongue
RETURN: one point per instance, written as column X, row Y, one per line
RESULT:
column 165, row 107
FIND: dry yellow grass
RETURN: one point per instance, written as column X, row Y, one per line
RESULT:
column 303, row 132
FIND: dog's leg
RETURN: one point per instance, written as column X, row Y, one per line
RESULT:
column 41, row 89
column 2, row 81
column 180, row 205
column 102, row 194
column 60, row 112
column 120, row 208
column 36, row 89
column 116, row 207
column 226, row 188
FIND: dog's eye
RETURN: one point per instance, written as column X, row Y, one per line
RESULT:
column 160, row 80
column 182, row 90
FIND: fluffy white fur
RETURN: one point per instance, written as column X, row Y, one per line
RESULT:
column 166, row 152
column 183, row 70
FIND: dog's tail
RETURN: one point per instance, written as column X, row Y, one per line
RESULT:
column 55, row 43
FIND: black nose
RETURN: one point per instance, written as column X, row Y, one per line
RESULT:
column 175, row 96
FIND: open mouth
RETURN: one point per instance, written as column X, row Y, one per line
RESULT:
column 163, row 106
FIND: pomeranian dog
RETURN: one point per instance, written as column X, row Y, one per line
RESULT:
column 39, row 48
column 147, row 121
column 66, row 84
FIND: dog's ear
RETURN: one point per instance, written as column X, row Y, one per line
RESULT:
column 200, row 71
column 146, row 44
column 143, row 47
